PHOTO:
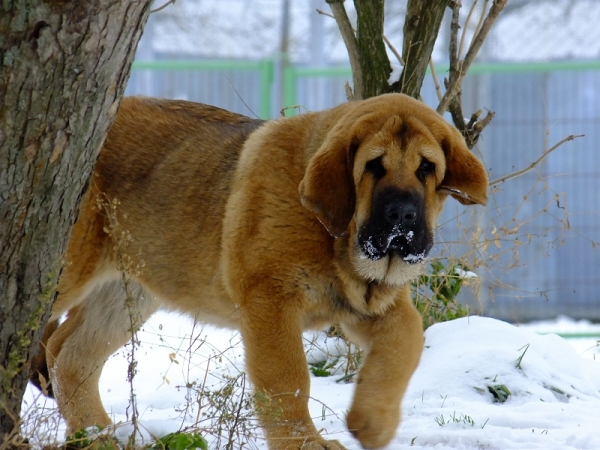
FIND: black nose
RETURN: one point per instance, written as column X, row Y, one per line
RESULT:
column 402, row 212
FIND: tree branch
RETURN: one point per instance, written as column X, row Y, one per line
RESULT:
column 343, row 22
column 518, row 173
column 475, row 127
column 374, row 60
column 453, row 46
column 421, row 28
column 463, row 66
column 160, row 8
column 466, row 26
column 393, row 50
column 436, row 83
column 455, row 105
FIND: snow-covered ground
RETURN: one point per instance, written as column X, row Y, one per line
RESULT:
column 554, row 386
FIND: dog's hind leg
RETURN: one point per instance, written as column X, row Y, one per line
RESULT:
column 77, row 351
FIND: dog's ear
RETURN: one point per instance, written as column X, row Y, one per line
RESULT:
column 327, row 189
column 465, row 178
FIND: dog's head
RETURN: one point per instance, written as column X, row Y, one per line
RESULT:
column 380, row 178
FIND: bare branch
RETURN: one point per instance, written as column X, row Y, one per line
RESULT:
column 481, row 18
column 393, row 50
column 453, row 47
column 518, row 173
column 323, row 13
column 341, row 17
column 348, row 91
column 438, row 88
column 160, row 8
column 455, row 108
column 479, row 38
column 476, row 126
column 466, row 26
column 463, row 66
column 421, row 28
column 455, row 104
column 453, row 84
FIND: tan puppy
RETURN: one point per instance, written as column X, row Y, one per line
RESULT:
column 272, row 228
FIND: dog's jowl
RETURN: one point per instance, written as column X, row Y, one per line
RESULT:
column 268, row 227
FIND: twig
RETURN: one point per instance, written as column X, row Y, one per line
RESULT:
column 455, row 104
column 240, row 97
column 458, row 117
column 341, row 17
column 464, row 33
column 483, row 10
column 393, row 50
column 238, row 413
column 453, row 83
column 160, row 8
column 518, row 173
column 438, row 88
column 348, row 91
column 463, row 66
column 453, row 47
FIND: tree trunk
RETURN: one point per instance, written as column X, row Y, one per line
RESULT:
column 63, row 69
column 421, row 29
column 366, row 48
column 374, row 62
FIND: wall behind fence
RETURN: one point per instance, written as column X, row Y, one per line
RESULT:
column 541, row 227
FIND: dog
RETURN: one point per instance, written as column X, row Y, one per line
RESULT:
column 269, row 227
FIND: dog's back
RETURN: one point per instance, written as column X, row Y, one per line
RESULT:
column 164, row 163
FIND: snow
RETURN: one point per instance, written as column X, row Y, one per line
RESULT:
column 553, row 404
column 465, row 274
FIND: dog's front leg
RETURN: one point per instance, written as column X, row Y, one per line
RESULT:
column 275, row 360
column 393, row 343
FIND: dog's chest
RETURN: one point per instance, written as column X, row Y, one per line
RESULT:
column 338, row 300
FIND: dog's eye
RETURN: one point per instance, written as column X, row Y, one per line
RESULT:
column 425, row 169
column 375, row 168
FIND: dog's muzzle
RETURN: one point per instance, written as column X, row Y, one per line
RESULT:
column 396, row 226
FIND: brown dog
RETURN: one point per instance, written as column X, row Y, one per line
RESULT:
column 272, row 228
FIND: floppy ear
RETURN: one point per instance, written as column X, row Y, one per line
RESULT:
column 466, row 178
column 327, row 189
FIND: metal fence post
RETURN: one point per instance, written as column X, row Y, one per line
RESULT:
column 267, row 68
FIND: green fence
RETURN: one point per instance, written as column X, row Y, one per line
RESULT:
column 293, row 74
column 265, row 69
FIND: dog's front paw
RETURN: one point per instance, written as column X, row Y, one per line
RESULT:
column 373, row 427
column 323, row 444
column 313, row 443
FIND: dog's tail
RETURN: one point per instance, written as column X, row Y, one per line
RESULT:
column 38, row 366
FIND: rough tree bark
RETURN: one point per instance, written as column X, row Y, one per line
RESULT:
column 421, row 29
column 63, row 69
column 376, row 66
column 368, row 59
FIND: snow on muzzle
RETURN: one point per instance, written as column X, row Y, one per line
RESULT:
column 397, row 226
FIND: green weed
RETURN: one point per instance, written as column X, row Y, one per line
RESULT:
column 500, row 392
column 435, row 293
column 181, row 441
column 442, row 420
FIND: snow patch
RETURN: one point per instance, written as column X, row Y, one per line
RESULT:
column 554, row 401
